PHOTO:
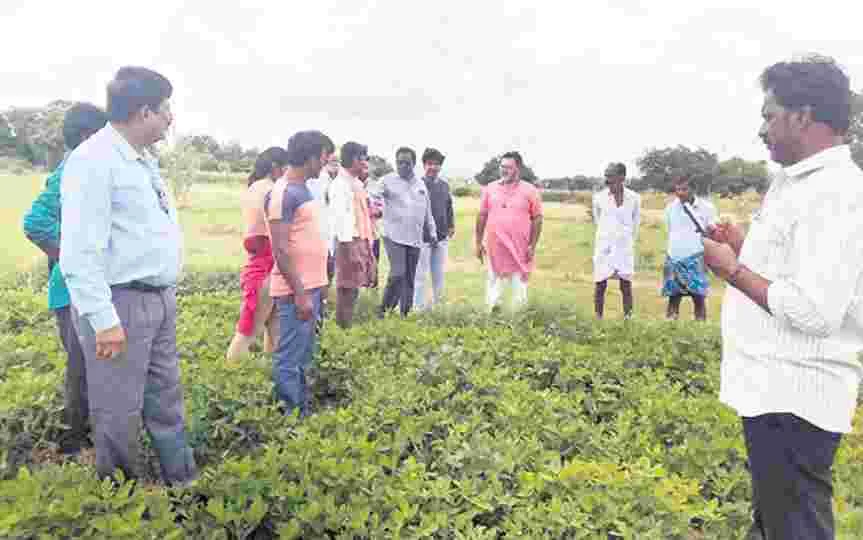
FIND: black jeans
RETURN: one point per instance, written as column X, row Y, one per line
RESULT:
column 790, row 462
column 76, row 412
column 403, row 270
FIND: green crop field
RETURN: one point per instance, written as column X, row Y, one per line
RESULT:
column 449, row 425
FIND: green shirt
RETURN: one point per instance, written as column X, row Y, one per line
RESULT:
column 42, row 227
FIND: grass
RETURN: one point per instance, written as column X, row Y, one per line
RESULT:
column 213, row 242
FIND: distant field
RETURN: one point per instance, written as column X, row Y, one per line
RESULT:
column 212, row 228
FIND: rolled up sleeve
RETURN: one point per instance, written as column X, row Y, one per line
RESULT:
column 86, row 229
column 824, row 263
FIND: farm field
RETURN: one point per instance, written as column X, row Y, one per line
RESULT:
column 451, row 424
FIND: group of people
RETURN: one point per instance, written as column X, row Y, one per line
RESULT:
column 616, row 212
column 792, row 316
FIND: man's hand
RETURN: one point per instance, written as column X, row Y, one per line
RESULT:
column 531, row 253
column 110, row 343
column 303, row 303
column 728, row 233
column 720, row 258
column 480, row 253
column 451, row 232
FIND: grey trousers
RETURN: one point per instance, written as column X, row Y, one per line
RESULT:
column 75, row 410
column 142, row 383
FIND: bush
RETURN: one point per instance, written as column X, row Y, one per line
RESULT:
column 454, row 424
column 465, row 191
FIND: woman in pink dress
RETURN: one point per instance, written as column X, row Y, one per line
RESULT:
column 257, row 314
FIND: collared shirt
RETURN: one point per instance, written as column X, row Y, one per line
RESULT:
column 616, row 233
column 802, row 356
column 441, row 205
column 683, row 238
column 407, row 210
column 118, row 225
column 42, row 227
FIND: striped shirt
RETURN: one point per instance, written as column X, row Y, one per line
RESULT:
column 801, row 358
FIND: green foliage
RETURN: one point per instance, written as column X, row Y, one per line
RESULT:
column 658, row 165
column 491, row 172
column 465, row 191
column 455, row 424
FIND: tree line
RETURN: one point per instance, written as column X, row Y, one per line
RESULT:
column 34, row 135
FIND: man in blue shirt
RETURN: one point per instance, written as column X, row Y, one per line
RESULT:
column 121, row 259
column 42, row 227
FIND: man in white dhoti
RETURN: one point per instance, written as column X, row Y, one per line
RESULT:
column 617, row 215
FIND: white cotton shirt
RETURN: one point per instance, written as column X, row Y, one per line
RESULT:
column 616, row 232
column 806, row 240
column 683, row 238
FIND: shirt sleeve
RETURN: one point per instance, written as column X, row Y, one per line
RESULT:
column 484, row 201
column 824, row 264
column 450, row 212
column 535, row 204
column 430, row 225
column 342, row 210
column 636, row 215
column 86, row 231
column 42, row 221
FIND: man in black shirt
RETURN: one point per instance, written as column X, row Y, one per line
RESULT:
column 434, row 252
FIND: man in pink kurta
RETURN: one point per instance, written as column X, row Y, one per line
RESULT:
column 508, row 228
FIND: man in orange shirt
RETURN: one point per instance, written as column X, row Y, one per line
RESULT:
column 294, row 222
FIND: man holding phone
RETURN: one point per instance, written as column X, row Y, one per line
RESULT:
column 792, row 317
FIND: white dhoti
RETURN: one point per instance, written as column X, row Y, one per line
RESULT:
column 614, row 257
column 616, row 229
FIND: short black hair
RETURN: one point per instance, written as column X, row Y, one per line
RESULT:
column 134, row 88
column 515, row 156
column 306, row 145
column 80, row 120
column 352, row 150
column 678, row 178
column 433, row 154
column 814, row 81
column 616, row 169
column 407, row 150
column 273, row 156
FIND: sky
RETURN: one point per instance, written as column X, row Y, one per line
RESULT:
column 571, row 87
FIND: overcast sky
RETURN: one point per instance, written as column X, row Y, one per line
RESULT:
column 569, row 86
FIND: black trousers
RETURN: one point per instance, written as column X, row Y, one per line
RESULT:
column 790, row 461
column 76, row 411
column 403, row 271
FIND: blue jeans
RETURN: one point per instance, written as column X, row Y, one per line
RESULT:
column 432, row 260
column 292, row 357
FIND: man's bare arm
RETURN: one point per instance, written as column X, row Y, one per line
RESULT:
column 535, row 231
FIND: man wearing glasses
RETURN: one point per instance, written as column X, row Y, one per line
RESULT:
column 408, row 220
column 121, row 258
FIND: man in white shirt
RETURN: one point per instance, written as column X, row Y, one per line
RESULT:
column 351, row 225
column 617, row 215
column 792, row 319
column 684, row 273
